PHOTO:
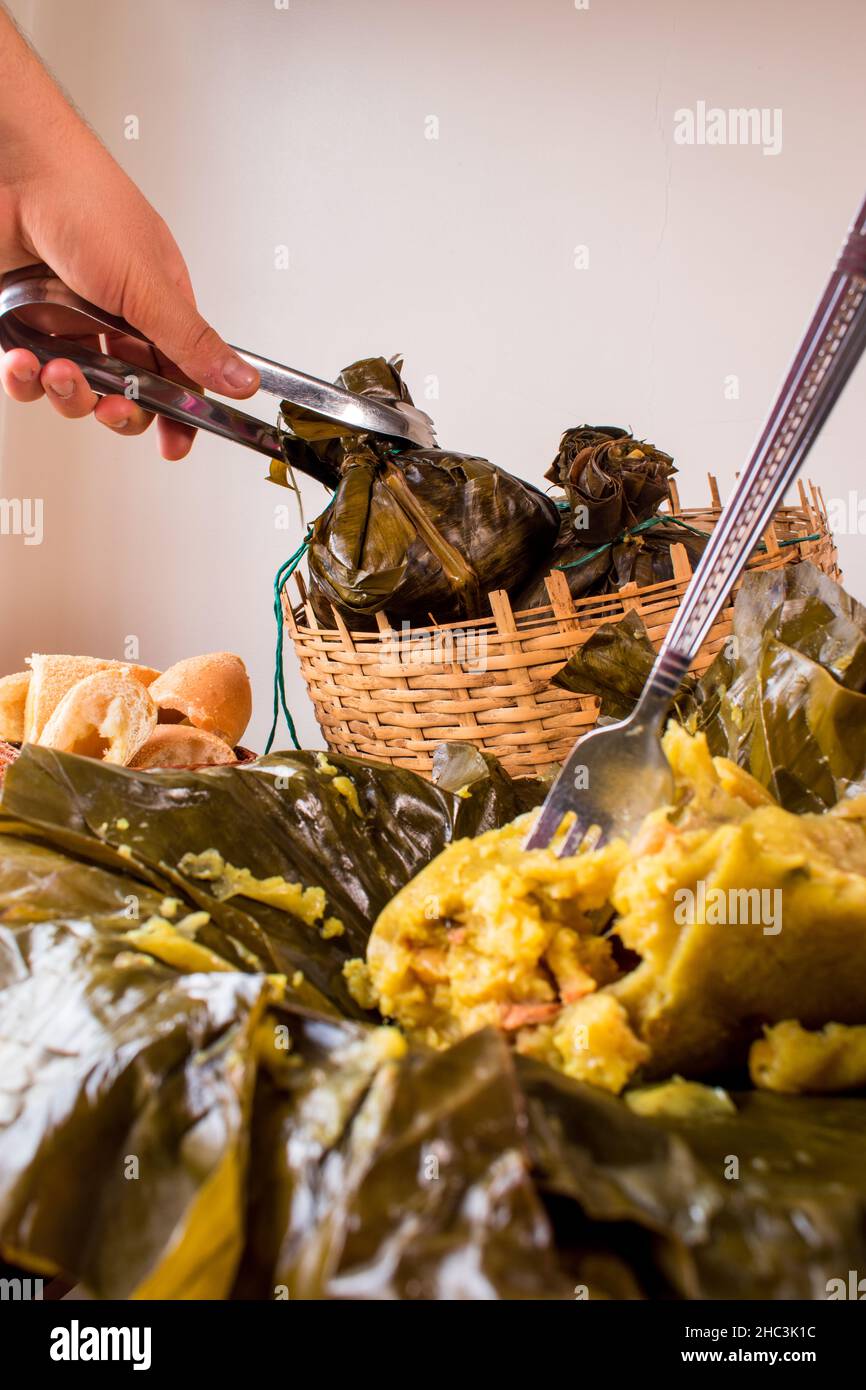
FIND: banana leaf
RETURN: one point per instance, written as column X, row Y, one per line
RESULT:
column 124, row 1100
column 614, row 664
column 573, row 444
column 611, row 533
column 641, row 557
column 611, row 480
column 807, row 743
column 208, row 1130
column 586, row 568
column 282, row 815
column 768, row 1202
column 787, row 700
column 463, row 769
column 645, row 558
column 417, row 1187
column 326, row 439
column 155, row 1141
column 423, row 534
column 148, row 1139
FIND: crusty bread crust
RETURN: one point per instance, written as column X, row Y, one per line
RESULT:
column 180, row 745
column 13, row 698
column 212, row 692
column 53, row 676
column 107, row 715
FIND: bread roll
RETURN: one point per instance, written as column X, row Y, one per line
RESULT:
column 53, row 676
column 107, row 715
column 13, row 697
column 180, row 745
column 212, row 692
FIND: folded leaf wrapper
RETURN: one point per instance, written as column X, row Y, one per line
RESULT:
column 614, row 663
column 419, row 533
column 612, row 479
column 417, row 1186
column 651, row 1204
column 201, row 1126
column 611, row 533
column 116, row 1067
column 787, row 698
column 290, row 816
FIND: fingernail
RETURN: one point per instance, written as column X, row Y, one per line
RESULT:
column 64, row 389
column 24, row 374
column 238, row 373
column 118, row 424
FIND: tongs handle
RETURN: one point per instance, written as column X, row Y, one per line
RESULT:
column 108, row 375
column 321, row 400
column 830, row 350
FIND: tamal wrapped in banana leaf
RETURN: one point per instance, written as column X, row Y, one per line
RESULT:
column 610, row 479
column 610, row 532
column 417, row 533
column 666, row 954
column 181, row 1115
column 195, row 1103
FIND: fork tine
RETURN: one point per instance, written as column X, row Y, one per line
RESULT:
column 549, row 821
column 573, row 839
column 579, row 832
column 558, row 803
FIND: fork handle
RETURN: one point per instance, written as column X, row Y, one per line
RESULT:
column 830, row 349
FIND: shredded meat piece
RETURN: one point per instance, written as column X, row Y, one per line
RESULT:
column 578, row 989
column 519, row 1015
column 652, row 838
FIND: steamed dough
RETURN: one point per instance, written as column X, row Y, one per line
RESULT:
column 668, row 954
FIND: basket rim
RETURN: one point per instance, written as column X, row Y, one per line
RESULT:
column 393, row 693
column 789, row 519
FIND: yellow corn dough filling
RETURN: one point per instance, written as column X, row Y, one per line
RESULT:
column 635, row 961
column 228, row 881
column 791, row 1060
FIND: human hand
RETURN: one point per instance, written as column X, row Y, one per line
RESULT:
column 65, row 201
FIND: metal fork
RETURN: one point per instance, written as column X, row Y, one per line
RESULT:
column 615, row 775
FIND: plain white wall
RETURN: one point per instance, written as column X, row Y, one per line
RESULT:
column 307, row 127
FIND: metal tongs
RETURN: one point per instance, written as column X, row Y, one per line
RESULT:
column 107, row 375
column 615, row 775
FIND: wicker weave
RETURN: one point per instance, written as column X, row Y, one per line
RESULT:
column 396, row 696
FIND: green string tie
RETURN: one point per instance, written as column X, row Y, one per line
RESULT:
column 287, row 569
column 283, row 575
column 666, row 521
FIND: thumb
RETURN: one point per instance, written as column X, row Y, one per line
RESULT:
column 160, row 309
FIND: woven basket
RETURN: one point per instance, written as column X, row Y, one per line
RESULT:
column 395, row 696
